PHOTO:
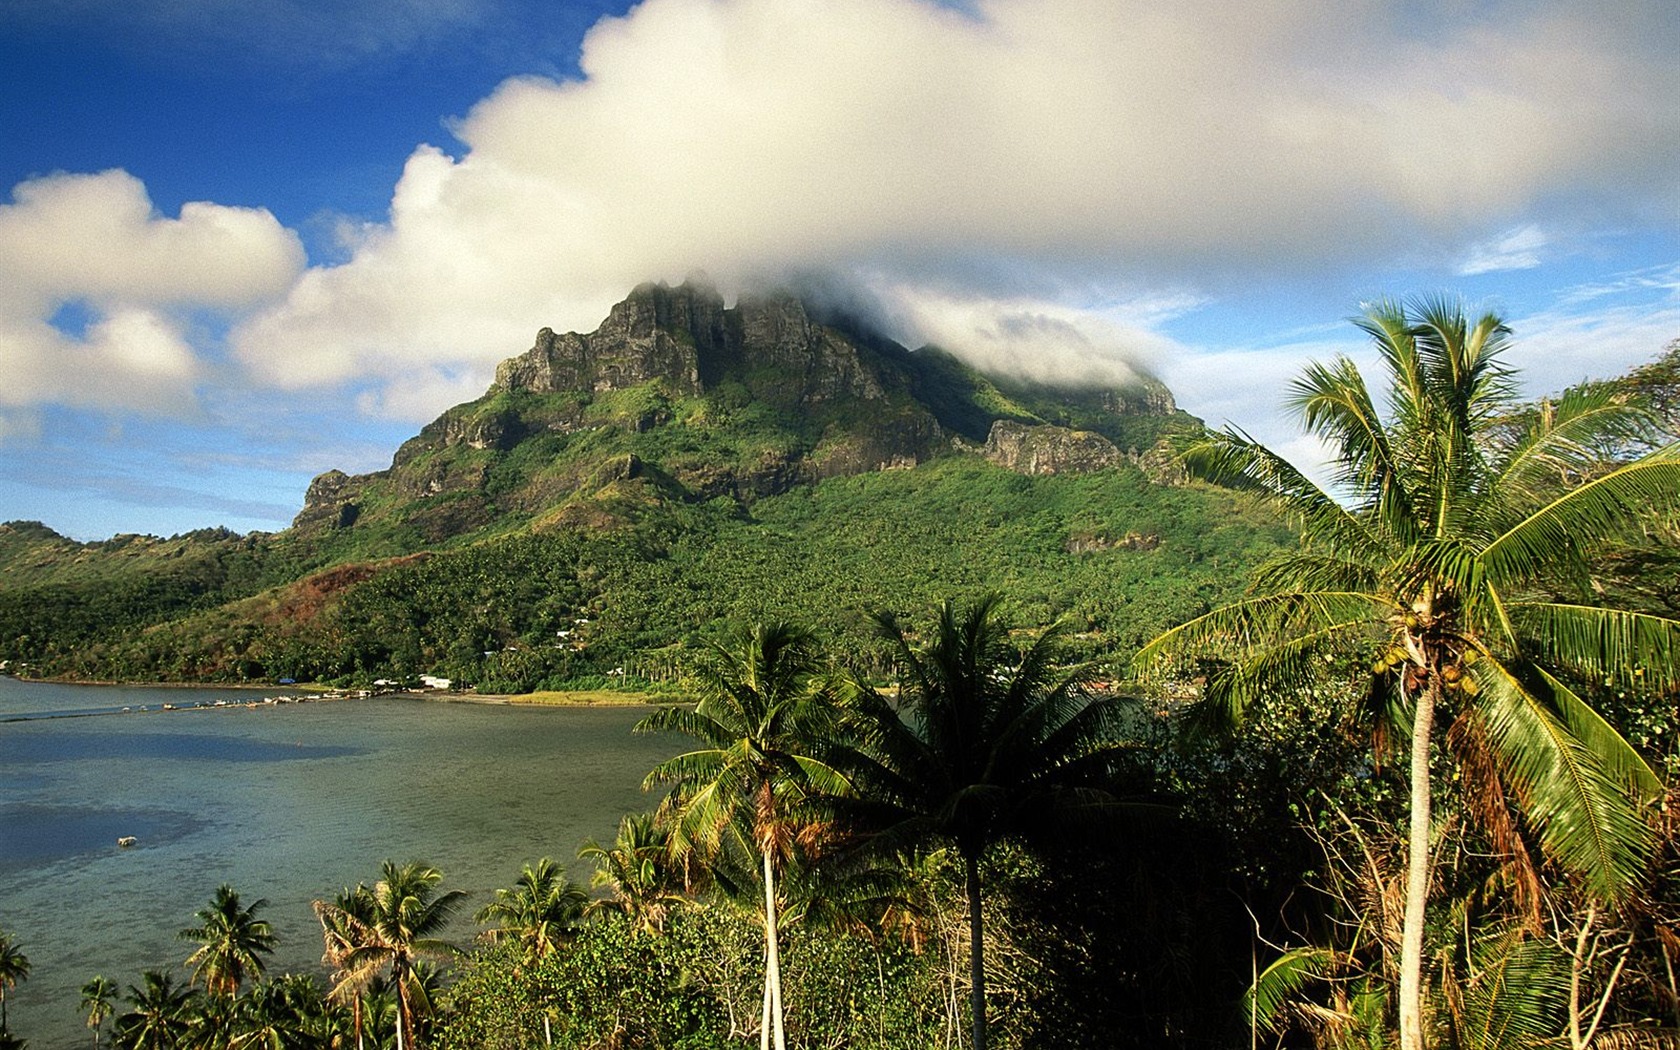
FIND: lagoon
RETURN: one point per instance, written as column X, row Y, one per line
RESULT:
column 288, row 802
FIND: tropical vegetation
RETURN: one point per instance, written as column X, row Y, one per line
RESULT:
column 1410, row 788
column 1451, row 552
column 983, row 741
column 14, row 967
column 232, row 943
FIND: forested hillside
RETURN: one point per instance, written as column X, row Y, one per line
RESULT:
column 614, row 498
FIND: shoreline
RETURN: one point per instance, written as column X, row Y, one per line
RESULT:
column 312, row 692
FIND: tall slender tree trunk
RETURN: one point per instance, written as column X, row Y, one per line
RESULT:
column 1417, row 871
column 764, row 1022
column 402, row 1013
column 976, row 952
column 772, row 956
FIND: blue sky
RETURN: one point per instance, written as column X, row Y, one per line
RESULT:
column 246, row 241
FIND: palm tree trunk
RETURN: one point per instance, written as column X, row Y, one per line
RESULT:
column 772, row 957
column 764, row 1023
column 402, row 1012
column 976, row 953
column 1417, row 872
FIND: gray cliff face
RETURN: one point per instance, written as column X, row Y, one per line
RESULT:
column 657, row 333
column 686, row 337
column 849, row 402
column 789, row 357
column 331, row 501
column 1049, row 449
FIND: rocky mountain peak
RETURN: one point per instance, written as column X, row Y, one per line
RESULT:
column 688, row 338
column 763, row 395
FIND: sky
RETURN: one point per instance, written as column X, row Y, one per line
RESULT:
column 243, row 242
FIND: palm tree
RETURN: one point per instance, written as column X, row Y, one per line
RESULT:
column 636, row 868
column 232, row 943
column 541, row 911
column 278, row 1015
column 389, row 929
column 14, row 969
column 160, row 1016
column 987, row 742
column 98, row 997
column 344, row 922
column 763, row 713
column 1462, row 519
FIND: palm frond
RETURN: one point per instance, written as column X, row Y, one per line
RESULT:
column 1333, row 403
column 1603, row 507
column 1609, row 646
column 1257, row 624
column 1565, row 439
column 1234, row 459
column 1279, row 986
column 1618, row 757
column 1518, row 996
column 1585, row 819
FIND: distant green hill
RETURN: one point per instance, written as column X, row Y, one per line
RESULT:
column 614, row 497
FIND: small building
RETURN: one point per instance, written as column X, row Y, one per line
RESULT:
column 434, row 682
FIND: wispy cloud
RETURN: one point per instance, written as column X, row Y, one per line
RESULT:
column 1518, row 249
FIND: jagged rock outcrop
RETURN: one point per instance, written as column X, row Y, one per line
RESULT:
column 658, row 332
column 330, row 501
column 686, row 337
column 1049, row 449
column 701, row 400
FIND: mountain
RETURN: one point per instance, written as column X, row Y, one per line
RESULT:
column 616, row 496
column 690, row 400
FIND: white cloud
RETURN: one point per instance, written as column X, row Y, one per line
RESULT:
column 1026, row 151
column 92, row 242
column 418, row 397
column 1518, row 249
column 1035, row 339
column 132, row 359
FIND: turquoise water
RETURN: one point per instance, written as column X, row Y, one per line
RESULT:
column 290, row 802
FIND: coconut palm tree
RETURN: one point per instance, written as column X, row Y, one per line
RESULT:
column 986, row 741
column 14, row 970
column 541, row 911
column 278, row 1015
column 232, row 943
column 98, row 998
column 389, row 929
column 637, row 871
column 344, row 923
column 160, row 1015
column 1462, row 525
column 762, row 717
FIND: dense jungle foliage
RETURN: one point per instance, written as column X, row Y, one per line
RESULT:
column 940, row 824
column 1120, row 556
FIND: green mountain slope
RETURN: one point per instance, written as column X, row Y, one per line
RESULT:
column 614, row 496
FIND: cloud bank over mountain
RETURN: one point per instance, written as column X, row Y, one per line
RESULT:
column 1040, row 152
column 1025, row 181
